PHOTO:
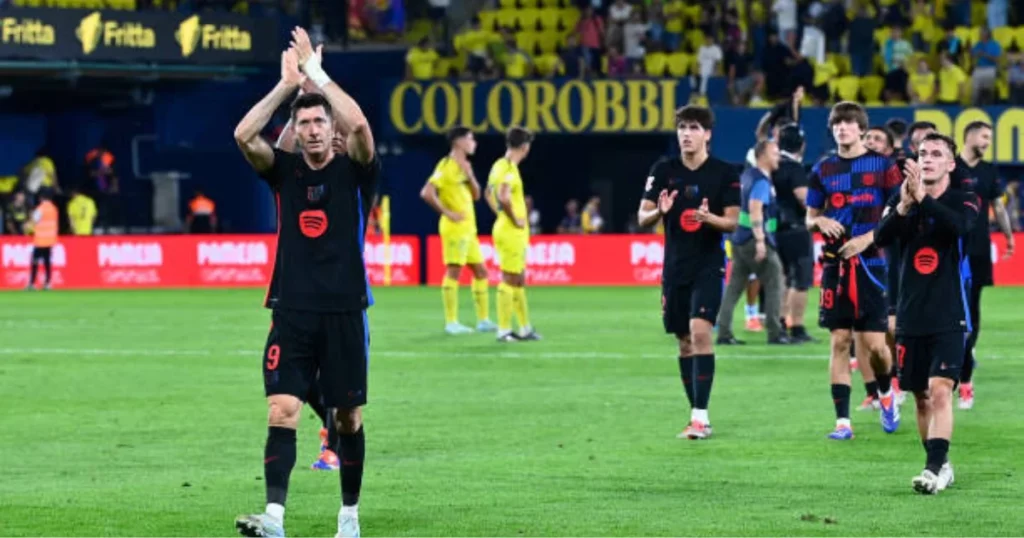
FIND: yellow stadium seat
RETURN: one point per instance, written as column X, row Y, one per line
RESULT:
column 488, row 20
column 1018, row 36
column 964, row 33
column 1004, row 35
column 878, row 64
column 1003, row 88
column 442, row 67
column 548, row 42
column 527, row 41
column 881, row 36
column 896, row 102
column 694, row 38
column 506, row 18
column 604, row 65
column 529, row 3
column 871, row 87
column 979, row 13
column 568, row 17
column 873, row 103
column 975, row 35
column 507, row 4
column 678, row 64
column 842, row 63
column 527, row 19
column 548, row 18
column 759, row 103
column 551, row 3
column 824, row 72
column 655, row 64
column 847, row 88
column 692, row 14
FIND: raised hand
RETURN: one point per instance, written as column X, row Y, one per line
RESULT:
column 307, row 85
column 302, row 45
column 290, row 73
column 665, row 201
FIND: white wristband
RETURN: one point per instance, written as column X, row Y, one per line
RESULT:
column 316, row 73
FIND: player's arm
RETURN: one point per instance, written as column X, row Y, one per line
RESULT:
column 726, row 222
column 890, row 228
column 492, row 199
column 430, row 194
column 287, row 140
column 755, row 208
column 730, row 201
column 352, row 120
column 505, row 201
column 247, row 134
column 956, row 216
column 1002, row 216
column 649, row 211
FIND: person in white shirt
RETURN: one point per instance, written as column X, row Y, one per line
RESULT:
column 633, row 38
column 708, row 57
column 785, row 20
column 533, row 216
column 619, row 12
column 812, row 46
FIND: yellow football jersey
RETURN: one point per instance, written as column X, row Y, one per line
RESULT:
column 455, row 195
column 506, row 172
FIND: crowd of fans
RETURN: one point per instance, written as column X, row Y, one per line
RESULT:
column 891, row 51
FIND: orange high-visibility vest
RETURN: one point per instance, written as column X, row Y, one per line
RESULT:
column 45, row 231
column 202, row 206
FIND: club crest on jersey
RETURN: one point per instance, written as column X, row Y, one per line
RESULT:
column 691, row 191
column 315, row 193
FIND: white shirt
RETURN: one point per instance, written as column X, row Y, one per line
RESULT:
column 439, row 3
column 708, row 57
column 633, row 39
column 534, row 222
column 785, row 14
column 813, row 44
column 619, row 14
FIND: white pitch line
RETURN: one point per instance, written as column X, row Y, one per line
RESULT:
column 496, row 353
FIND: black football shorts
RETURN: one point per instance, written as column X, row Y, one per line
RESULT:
column 981, row 271
column 699, row 299
column 853, row 297
column 796, row 251
column 331, row 349
column 922, row 357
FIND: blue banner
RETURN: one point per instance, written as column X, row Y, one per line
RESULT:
column 642, row 106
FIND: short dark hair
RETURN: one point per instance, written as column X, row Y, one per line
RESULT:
column 310, row 100
column 920, row 126
column 791, row 138
column 456, row 133
column 885, row 131
column 897, row 127
column 517, row 137
column 848, row 111
column 938, row 137
column 696, row 114
column 761, row 147
column 976, row 125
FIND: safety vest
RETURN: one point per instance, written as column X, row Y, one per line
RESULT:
column 45, row 220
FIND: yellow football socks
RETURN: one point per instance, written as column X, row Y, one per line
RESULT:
column 450, row 298
column 506, row 302
column 522, row 311
column 480, row 299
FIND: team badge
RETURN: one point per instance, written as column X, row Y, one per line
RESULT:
column 315, row 193
column 691, row 191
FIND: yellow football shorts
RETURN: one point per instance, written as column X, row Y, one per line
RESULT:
column 511, row 248
column 461, row 249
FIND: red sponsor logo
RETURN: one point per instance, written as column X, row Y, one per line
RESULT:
column 926, row 260
column 838, row 200
column 688, row 221
column 865, row 198
column 182, row 261
column 313, row 223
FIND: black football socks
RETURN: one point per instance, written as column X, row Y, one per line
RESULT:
column 686, row 373
column 705, row 367
column 278, row 461
column 841, row 399
column 351, row 451
column 938, row 450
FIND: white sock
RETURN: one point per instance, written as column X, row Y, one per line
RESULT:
column 525, row 330
column 751, row 311
column 275, row 511
column 843, row 423
column 699, row 415
column 349, row 511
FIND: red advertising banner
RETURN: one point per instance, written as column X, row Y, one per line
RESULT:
column 182, row 261
column 629, row 260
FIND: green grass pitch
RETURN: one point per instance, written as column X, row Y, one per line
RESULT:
column 142, row 414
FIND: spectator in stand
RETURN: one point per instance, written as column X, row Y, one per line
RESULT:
column 420, row 61
column 921, row 86
column 478, row 63
column 202, row 215
column 775, row 68
column 1017, row 82
column 897, row 50
column 533, row 216
column 835, row 24
column 731, row 30
column 40, row 173
column 812, row 46
column 572, row 58
column 952, row 82
column 922, row 15
column 895, row 16
column 499, row 49
column 438, row 13
column 786, row 20
column 619, row 14
column 589, row 34
column 987, row 53
column 862, row 42
column 656, row 20
column 951, row 44
column 517, row 63
column 998, row 13
column 708, row 57
column 571, row 222
column 743, row 81
column 617, row 65
column 591, row 221
column 81, row 213
column 103, row 184
column 633, row 34
column 674, row 25
column 16, row 215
